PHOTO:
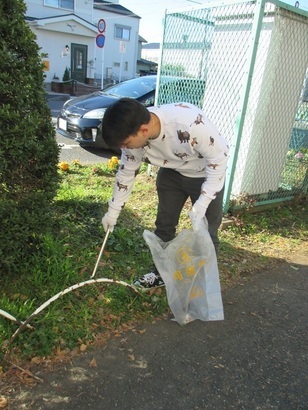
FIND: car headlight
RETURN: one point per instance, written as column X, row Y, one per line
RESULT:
column 99, row 113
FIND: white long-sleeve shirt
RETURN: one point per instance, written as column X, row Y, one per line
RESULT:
column 188, row 143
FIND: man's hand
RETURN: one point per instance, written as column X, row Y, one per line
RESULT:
column 197, row 215
column 198, row 211
column 110, row 219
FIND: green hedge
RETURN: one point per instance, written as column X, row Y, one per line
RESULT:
column 28, row 149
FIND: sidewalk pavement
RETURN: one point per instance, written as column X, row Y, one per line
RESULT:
column 55, row 102
column 52, row 96
column 255, row 359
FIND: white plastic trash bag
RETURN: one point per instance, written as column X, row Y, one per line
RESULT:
column 188, row 266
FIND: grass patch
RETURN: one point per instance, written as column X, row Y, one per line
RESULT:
column 68, row 255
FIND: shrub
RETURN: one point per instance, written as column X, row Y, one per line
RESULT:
column 28, row 149
column 66, row 75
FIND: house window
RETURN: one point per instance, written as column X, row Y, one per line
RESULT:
column 60, row 4
column 122, row 33
column 126, row 66
column 79, row 58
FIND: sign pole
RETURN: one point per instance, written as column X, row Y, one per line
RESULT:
column 120, row 76
column 122, row 51
column 103, row 58
column 100, row 42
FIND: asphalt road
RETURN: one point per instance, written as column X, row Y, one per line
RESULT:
column 70, row 149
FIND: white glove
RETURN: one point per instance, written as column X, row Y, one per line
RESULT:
column 109, row 220
column 198, row 211
column 197, row 216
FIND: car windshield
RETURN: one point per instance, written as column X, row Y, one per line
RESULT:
column 132, row 88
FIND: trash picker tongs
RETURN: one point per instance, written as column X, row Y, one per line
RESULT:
column 100, row 253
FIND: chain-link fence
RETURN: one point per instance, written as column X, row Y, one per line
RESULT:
column 245, row 63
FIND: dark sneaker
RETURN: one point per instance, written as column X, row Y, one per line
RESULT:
column 149, row 281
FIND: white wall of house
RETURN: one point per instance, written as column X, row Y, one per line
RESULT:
column 55, row 28
column 43, row 8
column 58, row 57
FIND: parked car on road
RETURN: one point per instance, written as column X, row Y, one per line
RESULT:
column 80, row 117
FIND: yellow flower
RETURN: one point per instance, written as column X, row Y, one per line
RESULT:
column 196, row 292
column 183, row 255
column 190, row 271
column 178, row 275
column 113, row 163
column 63, row 166
column 201, row 263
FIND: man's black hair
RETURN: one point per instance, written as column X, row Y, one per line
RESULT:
column 122, row 119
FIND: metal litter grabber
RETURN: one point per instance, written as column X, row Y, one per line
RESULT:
column 100, row 253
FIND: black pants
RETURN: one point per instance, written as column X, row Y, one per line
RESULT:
column 173, row 189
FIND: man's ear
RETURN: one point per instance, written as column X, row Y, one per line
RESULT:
column 144, row 128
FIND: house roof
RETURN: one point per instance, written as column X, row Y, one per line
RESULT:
column 43, row 21
column 141, row 39
column 113, row 8
column 146, row 62
column 151, row 46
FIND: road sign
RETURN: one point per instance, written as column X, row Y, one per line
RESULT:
column 122, row 47
column 101, row 25
column 100, row 40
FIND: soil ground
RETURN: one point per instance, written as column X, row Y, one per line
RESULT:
column 256, row 358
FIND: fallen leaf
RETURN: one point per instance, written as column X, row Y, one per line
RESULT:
column 83, row 347
column 91, row 301
column 142, row 331
column 3, row 402
column 83, row 270
column 219, row 366
column 37, row 360
column 93, row 363
column 131, row 357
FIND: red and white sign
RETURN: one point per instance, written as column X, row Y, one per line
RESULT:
column 101, row 25
column 122, row 47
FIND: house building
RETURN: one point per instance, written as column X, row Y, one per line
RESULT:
column 148, row 62
column 151, row 52
column 94, row 39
